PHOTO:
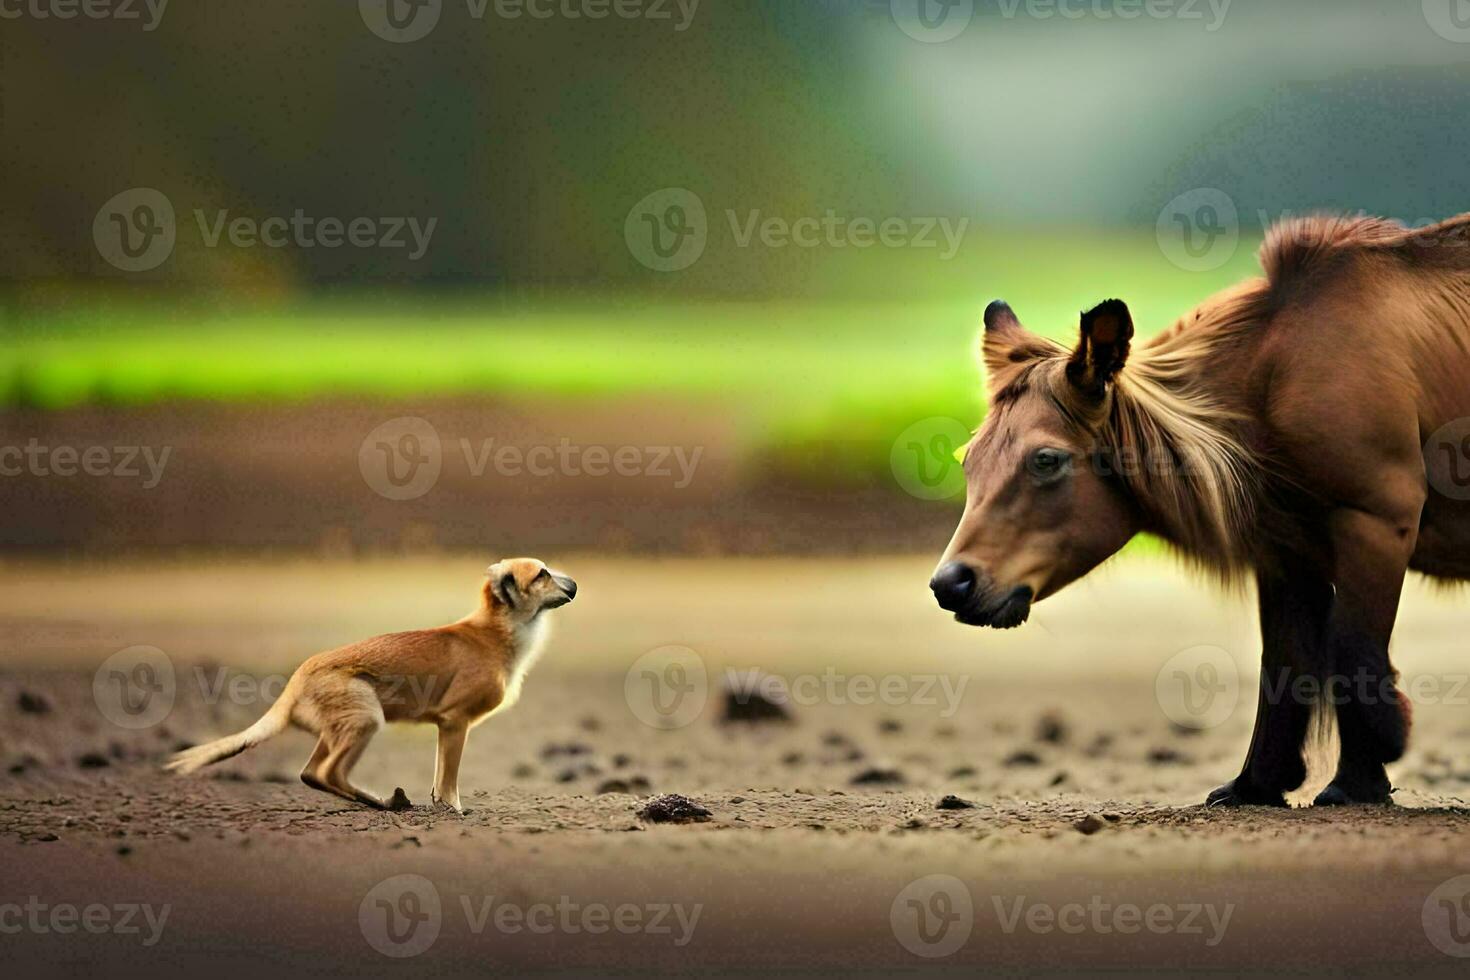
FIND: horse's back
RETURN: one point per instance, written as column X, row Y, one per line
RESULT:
column 1368, row 352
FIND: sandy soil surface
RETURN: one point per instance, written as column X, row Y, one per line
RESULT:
column 1076, row 845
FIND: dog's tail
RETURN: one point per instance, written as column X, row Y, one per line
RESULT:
column 273, row 722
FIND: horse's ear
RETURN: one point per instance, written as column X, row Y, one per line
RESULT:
column 1107, row 333
column 1003, row 336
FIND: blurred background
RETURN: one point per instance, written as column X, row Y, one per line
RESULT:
column 279, row 248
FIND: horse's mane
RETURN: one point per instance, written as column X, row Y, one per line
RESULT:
column 1181, row 451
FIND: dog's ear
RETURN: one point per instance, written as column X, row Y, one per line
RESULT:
column 503, row 586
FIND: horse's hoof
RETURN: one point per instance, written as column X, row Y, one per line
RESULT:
column 1336, row 795
column 1239, row 793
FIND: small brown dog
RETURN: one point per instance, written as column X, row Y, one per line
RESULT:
column 454, row 677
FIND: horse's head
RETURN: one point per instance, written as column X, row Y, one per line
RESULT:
column 1040, row 512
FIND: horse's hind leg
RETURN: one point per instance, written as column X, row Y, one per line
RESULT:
column 1295, row 602
column 1372, row 714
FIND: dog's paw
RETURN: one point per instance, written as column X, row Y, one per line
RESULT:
column 447, row 806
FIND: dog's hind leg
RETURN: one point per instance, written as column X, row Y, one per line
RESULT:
column 311, row 773
column 355, row 718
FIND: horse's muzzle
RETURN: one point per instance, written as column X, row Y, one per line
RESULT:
column 977, row 601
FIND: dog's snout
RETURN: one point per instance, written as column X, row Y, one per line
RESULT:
column 567, row 586
column 953, row 585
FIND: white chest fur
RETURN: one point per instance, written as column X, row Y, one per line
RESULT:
column 529, row 641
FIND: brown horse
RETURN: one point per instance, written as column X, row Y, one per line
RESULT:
column 1308, row 428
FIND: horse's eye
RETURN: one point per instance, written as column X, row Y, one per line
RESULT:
column 1047, row 465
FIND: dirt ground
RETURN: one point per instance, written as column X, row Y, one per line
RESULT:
column 1083, row 848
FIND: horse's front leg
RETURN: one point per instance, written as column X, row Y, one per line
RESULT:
column 1295, row 605
column 1372, row 557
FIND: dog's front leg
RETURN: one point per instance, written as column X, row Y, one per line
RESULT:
column 452, row 737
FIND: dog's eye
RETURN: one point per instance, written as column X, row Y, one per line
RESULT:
column 1048, row 465
column 545, row 574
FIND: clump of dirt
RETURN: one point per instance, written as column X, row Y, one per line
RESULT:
column 1088, row 825
column 750, row 706
column 673, row 808
column 878, row 777
column 953, row 802
column 399, row 801
column 1052, row 729
column 33, row 704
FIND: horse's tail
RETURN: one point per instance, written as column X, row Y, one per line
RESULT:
column 273, row 722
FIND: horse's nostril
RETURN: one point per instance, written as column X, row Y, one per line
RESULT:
column 952, row 585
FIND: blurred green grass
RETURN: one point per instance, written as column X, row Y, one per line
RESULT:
column 821, row 385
